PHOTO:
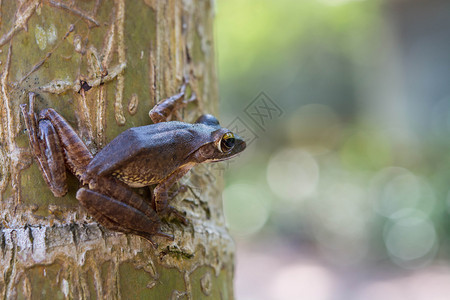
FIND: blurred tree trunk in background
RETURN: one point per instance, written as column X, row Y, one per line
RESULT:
column 103, row 65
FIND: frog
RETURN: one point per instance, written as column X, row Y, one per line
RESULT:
column 158, row 155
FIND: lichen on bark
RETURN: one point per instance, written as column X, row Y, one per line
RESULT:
column 103, row 65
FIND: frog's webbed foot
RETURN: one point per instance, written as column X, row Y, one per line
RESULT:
column 182, row 188
column 161, row 198
column 166, row 108
column 46, row 148
column 179, row 216
column 165, row 210
column 170, row 210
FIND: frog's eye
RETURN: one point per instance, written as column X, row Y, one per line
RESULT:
column 227, row 142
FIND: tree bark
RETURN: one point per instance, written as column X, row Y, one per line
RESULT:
column 103, row 65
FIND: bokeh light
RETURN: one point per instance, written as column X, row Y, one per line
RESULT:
column 310, row 281
column 341, row 223
column 246, row 208
column 292, row 174
column 432, row 284
column 410, row 241
column 393, row 189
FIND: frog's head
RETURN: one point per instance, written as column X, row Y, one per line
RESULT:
column 223, row 144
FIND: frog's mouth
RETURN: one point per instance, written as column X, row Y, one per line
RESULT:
column 214, row 160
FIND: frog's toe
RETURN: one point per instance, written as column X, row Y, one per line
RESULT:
column 181, row 190
column 149, row 237
column 177, row 215
column 166, row 235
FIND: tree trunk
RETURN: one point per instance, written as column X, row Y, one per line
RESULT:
column 103, row 65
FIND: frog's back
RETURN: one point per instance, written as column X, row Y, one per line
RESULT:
column 146, row 154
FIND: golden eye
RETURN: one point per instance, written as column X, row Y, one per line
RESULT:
column 227, row 142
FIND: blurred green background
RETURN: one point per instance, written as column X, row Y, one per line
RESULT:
column 343, row 192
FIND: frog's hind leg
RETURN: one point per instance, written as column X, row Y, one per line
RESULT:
column 47, row 150
column 76, row 153
column 110, row 199
column 120, row 216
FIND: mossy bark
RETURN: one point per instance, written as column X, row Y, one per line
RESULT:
column 103, row 65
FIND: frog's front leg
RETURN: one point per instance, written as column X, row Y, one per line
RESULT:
column 118, row 208
column 161, row 193
column 164, row 110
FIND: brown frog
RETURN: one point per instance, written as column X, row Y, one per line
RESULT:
column 158, row 154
